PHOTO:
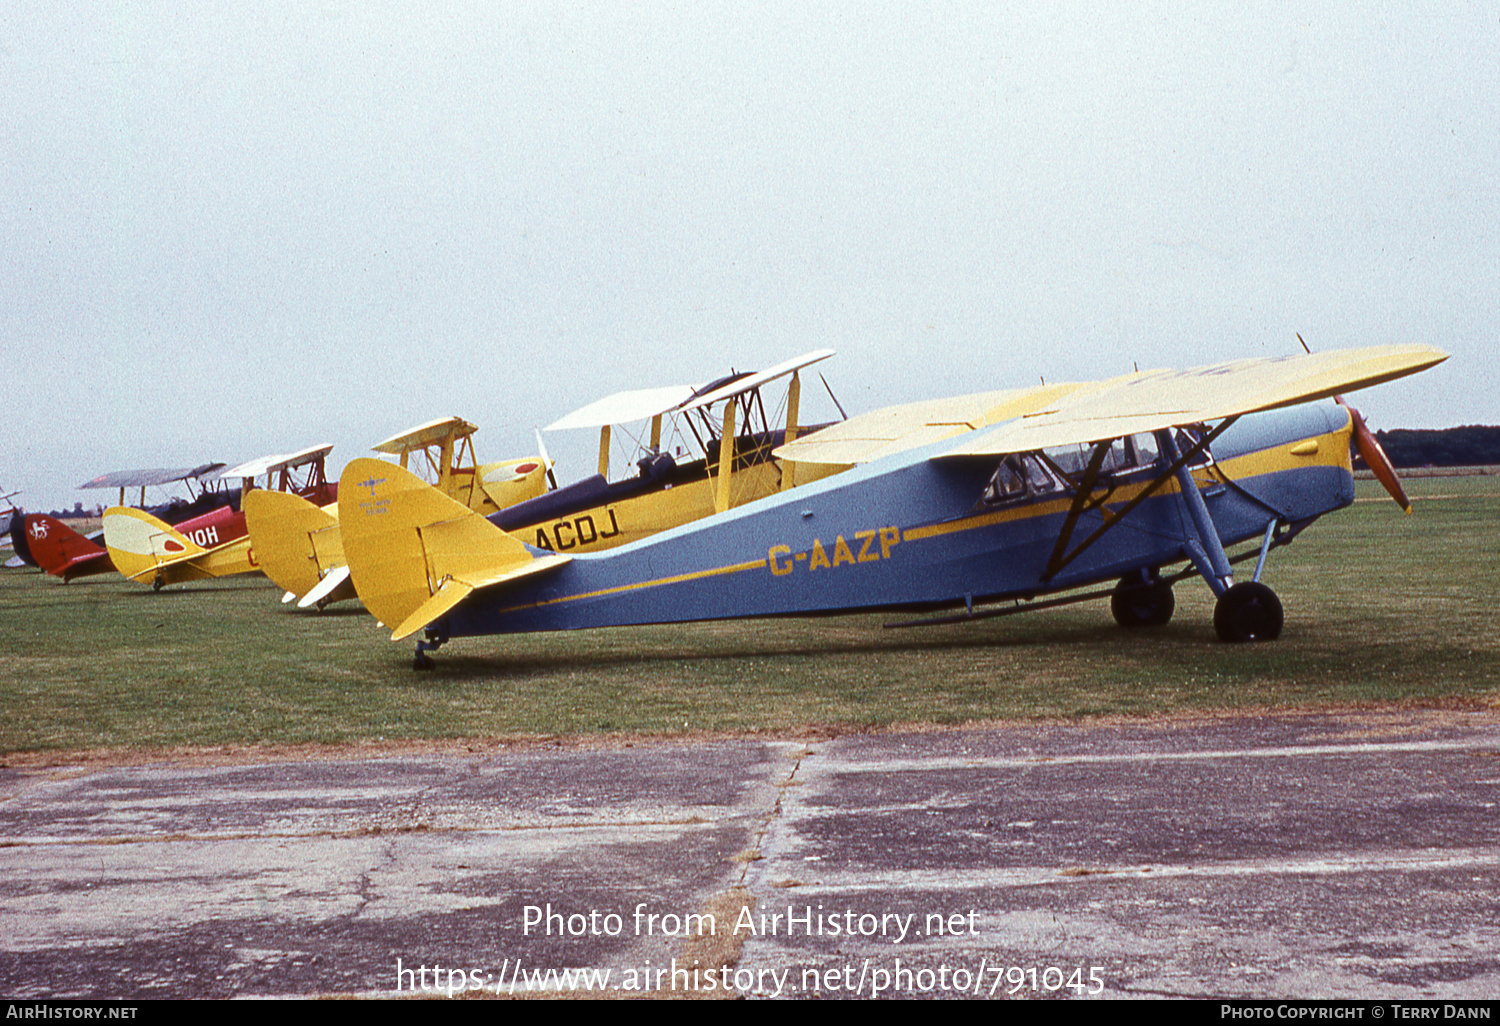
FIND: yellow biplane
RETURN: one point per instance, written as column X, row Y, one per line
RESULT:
column 216, row 544
column 726, row 420
column 1013, row 500
column 297, row 542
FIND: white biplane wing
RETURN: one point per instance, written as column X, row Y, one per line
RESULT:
column 279, row 461
column 625, row 407
column 740, row 386
column 150, row 478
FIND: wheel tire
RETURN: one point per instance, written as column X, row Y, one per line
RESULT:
column 1142, row 605
column 1249, row 611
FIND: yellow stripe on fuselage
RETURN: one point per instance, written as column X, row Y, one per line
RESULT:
column 1332, row 450
column 757, row 564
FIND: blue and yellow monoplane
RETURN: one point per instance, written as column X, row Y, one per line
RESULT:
column 1021, row 497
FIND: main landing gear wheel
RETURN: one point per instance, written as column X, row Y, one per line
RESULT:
column 1142, row 605
column 1249, row 611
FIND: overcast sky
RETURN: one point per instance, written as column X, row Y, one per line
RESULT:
column 237, row 229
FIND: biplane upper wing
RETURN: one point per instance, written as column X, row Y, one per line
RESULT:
column 741, row 385
column 151, row 478
column 1154, row 400
column 645, row 403
column 423, row 435
column 280, row 461
column 625, row 407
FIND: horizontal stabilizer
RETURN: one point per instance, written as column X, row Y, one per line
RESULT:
column 325, row 588
column 453, row 591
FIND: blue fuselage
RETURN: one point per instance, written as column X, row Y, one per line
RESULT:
column 916, row 530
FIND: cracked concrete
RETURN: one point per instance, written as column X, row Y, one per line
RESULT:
column 1305, row 855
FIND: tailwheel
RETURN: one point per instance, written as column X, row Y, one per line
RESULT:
column 1136, row 604
column 157, row 582
column 1248, row 611
column 432, row 639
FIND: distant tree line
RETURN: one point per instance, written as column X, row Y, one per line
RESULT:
column 1469, row 446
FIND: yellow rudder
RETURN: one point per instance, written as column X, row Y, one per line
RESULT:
column 295, row 541
column 405, row 540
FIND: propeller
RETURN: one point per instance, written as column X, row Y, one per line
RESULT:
column 1375, row 457
column 1370, row 451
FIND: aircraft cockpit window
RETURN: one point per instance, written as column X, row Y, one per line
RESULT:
column 1129, row 453
column 1019, row 475
column 1072, row 460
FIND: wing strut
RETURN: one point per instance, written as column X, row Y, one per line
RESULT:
column 1207, row 553
column 1061, row 557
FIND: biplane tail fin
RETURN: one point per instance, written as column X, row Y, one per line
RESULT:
column 297, row 543
column 140, row 544
column 414, row 553
column 62, row 551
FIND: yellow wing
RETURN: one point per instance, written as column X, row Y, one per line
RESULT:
column 1130, row 404
column 1155, row 400
column 880, row 433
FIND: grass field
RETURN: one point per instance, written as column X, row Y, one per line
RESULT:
column 1381, row 609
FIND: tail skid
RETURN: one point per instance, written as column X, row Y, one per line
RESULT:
column 414, row 553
